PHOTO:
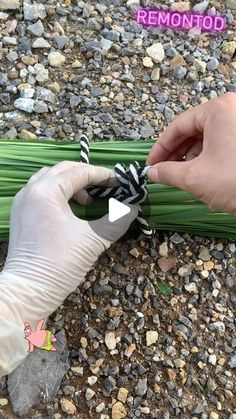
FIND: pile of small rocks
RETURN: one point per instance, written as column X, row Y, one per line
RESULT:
column 126, row 350
column 67, row 66
column 134, row 352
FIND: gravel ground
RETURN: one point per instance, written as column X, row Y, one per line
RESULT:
column 151, row 334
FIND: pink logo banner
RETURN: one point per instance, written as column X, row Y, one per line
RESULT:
column 180, row 20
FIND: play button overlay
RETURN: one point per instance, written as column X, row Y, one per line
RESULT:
column 117, row 210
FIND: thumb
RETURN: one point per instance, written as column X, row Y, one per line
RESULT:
column 112, row 231
column 170, row 173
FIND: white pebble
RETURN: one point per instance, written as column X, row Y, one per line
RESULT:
column 92, row 380
column 110, row 340
column 212, row 359
column 151, row 337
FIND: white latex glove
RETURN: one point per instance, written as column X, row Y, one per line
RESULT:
column 50, row 250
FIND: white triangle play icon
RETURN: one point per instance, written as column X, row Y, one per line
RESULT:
column 117, row 210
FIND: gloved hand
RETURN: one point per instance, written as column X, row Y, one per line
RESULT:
column 205, row 136
column 50, row 250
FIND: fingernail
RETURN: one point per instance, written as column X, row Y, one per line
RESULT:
column 153, row 174
column 89, row 200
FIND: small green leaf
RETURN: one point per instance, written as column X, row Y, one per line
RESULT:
column 163, row 288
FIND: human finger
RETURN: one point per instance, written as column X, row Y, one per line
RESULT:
column 194, row 151
column 186, row 125
column 38, row 175
column 77, row 178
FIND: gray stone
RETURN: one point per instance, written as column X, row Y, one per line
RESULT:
column 15, row 117
column 134, row 135
column 40, row 107
column 27, row 92
column 218, row 326
column 45, row 94
column 62, row 10
column 198, row 409
column 36, row 28
column 147, row 130
column 176, row 238
column 42, row 75
column 11, row 133
column 94, row 24
column 24, row 104
column 109, row 385
column 171, row 385
column 3, row 79
column 9, row 4
column 231, row 87
column 133, row 3
column 113, row 323
column 128, row 77
column 34, row 11
column 185, row 321
column 162, row 97
column 213, row 64
column 231, row 4
column 165, row 69
column 129, row 289
column 192, row 75
column 169, row 114
column 12, row 56
column 5, row 98
column 106, row 44
column 179, row 72
column 127, row 37
column 101, row 8
column 89, row 394
column 86, row 11
column 211, row 385
column 229, row 282
column 171, row 52
column 204, row 255
column 217, row 254
column 232, row 362
column 61, row 41
column 39, row 375
column 74, row 101
column 24, row 45
column 11, row 89
column 4, row 16
column 90, row 103
column 97, row 91
column 68, row 390
column 191, row 287
column 10, row 40
column 3, row 385
column 185, row 270
column 201, row 7
column 113, row 35
column 102, row 289
column 141, row 387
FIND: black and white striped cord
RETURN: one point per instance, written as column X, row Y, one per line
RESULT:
column 132, row 187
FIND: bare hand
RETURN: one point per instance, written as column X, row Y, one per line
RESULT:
column 206, row 137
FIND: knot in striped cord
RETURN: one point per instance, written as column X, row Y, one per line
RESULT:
column 131, row 188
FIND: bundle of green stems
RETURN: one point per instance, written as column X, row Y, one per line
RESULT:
column 166, row 208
